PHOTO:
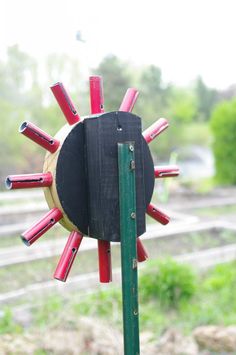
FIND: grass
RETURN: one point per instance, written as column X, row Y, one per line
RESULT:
column 7, row 323
column 212, row 298
column 217, row 211
column 194, row 299
column 21, row 275
column 199, row 299
column 55, row 233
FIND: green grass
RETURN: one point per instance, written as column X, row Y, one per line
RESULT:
column 204, row 186
column 217, row 211
column 55, row 233
column 7, row 323
column 21, row 275
column 169, row 294
column 198, row 300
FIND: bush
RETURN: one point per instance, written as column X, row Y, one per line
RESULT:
column 223, row 123
column 168, row 281
column 8, row 324
column 222, row 277
column 103, row 303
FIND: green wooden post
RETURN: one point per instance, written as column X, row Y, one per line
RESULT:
column 128, row 234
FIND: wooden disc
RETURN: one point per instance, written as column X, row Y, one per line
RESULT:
column 78, row 195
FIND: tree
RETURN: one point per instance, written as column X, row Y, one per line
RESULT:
column 151, row 81
column 20, row 74
column 116, row 78
column 154, row 94
column 206, row 99
column 21, row 99
column 182, row 105
column 180, row 111
column 223, row 124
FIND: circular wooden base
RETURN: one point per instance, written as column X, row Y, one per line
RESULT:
column 85, row 173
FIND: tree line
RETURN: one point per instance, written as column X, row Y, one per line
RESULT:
column 25, row 95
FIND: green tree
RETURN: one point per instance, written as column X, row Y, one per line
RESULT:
column 182, row 105
column 18, row 74
column 206, row 99
column 154, row 95
column 180, row 110
column 21, row 99
column 223, row 124
column 116, row 78
column 151, row 81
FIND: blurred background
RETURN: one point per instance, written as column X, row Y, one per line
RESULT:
column 181, row 56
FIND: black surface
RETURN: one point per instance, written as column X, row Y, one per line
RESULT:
column 149, row 178
column 71, row 180
column 87, row 174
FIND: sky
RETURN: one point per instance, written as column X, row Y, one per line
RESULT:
column 185, row 38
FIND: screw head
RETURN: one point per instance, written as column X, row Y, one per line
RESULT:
column 132, row 165
column 131, row 148
column 133, row 215
column 135, row 263
column 135, row 312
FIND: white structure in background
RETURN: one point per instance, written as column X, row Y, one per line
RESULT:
column 195, row 162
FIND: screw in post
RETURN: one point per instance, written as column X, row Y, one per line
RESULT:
column 132, row 165
column 133, row 215
column 135, row 263
column 131, row 148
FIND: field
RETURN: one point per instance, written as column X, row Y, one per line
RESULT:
column 34, row 305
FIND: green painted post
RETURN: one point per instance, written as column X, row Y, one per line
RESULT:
column 128, row 234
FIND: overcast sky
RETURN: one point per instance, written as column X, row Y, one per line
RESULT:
column 185, row 38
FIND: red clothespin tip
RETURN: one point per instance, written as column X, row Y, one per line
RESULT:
column 96, row 94
column 65, row 103
column 104, row 258
column 155, row 129
column 142, row 254
column 28, row 181
column 68, row 256
column 129, row 100
column 41, row 227
column 39, row 136
column 166, row 171
column 158, row 215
